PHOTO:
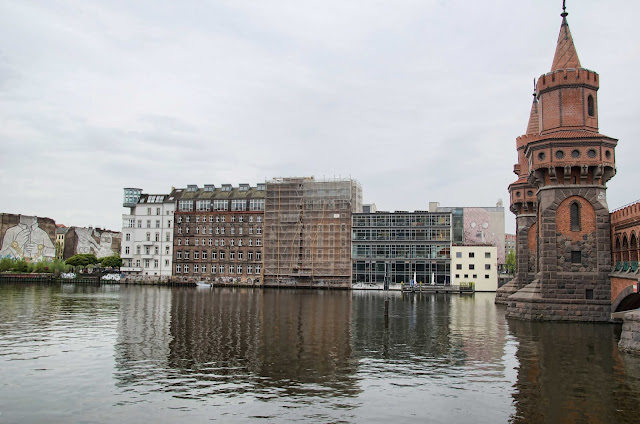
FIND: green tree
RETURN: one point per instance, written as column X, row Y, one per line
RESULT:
column 114, row 261
column 82, row 259
column 511, row 262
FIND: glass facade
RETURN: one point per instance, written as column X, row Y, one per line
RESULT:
column 389, row 248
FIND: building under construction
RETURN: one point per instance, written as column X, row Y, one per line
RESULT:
column 307, row 232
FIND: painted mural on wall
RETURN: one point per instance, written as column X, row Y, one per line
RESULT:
column 100, row 243
column 27, row 241
column 484, row 227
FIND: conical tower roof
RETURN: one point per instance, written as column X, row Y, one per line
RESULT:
column 566, row 55
column 533, row 128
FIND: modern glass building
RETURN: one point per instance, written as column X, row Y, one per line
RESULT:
column 390, row 247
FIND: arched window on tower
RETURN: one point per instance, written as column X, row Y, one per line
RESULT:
column 591, row 108
column 575, row 216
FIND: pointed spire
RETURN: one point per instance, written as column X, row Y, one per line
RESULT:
column 534, row 119
column 566, row 55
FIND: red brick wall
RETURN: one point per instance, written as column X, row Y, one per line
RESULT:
column 531, row 238
column 587, row 218
column 619, row 284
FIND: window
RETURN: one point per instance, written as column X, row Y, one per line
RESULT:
column 575, row 216
column 185, row 206
column 148, row 211
column 166, row 250
column 232, row 256
column 179, row 254
column 250, row 256
column 127, row 237
column 168, row 223
column 186, row 254
column 239, row 269
column 195, row 268
column 157, row 236
column 249, row 269
column 458, row 266
column 475, row 275
column 138, row 249
column 457, row 275
column 486, row 276
column 221, row 255
column 196, row 254
column 487, row 255
column 472, row 255
column 591, row 108
column 166, row 262
column 239, row 205
column 256, row 204
column 157, row 211
column 204, row 254
column 214, row 255
column 258, row 268
column 126, row 250
column 487, row 267
column 178, row 268
column 239, row 256
column 232, row 269
column 157, row 250
column 203, row 205
column 466, row 275
column 147, row 263
column 138, row 263
column 576, row 257
column 221, row 269
column 258, row 242
column 220, row 205
column 197, row 218
column 458, row 254
column 258, row 256
column 589, row 294
column 186, row 268
column 259, row 230
column 213, row 269
column 204, row 269
column 155, row 263
column 472, row 266
column 186, row 242
column 139, row 223
column 233, row 218
column 157, row 223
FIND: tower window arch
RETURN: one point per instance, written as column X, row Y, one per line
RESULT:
column 574, row 209
column 591, row 108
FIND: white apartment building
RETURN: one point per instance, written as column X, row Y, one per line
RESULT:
column 475, row 264
column 147, row 233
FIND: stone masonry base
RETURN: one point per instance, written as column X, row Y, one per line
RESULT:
column 558, row 310
column 630, row 337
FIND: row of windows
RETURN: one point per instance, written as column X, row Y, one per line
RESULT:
column 219, row 218
column 146, row 263
column 487, row 255
column 487, row 267
column 486, row 276
column 253, row 205
column 426, row 234
column 129, row 223
column 220, row 242
column 147, row 250
column 374, row 220
column 215, row 255
column 384, row 251
column 220, row 269
column 221, row 230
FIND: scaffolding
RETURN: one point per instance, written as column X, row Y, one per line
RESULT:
column 307, row 231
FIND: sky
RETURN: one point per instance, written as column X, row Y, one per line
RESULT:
column 417, row 100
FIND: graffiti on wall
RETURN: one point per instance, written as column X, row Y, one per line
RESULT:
column 92, row 241
column 484, row 227
column 27, row 241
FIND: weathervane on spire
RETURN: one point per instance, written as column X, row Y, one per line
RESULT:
column 564, row 9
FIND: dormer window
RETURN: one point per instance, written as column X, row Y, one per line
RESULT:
column 591, row 108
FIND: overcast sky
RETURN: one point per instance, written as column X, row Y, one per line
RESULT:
column 418, row 100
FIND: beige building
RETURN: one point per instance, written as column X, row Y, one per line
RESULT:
column 475, row 264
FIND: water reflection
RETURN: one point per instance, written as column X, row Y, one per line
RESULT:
column 573, row 373
column 136, row 353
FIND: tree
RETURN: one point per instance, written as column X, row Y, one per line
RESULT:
column 114, row 261
column 82, row 259
column 511, row 262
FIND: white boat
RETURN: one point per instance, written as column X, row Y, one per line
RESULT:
column 203, row 284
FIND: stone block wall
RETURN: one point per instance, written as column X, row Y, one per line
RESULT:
column 630, row 337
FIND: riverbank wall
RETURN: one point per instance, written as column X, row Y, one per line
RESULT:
column 630, row 337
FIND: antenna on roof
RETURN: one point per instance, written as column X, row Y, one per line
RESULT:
column 564, row 9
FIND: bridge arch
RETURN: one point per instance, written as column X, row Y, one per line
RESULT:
column 626, row 300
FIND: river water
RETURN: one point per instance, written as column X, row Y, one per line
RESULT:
column 119, row 354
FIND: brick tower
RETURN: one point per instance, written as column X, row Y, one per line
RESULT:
column 568, row 163
column 524, row 204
